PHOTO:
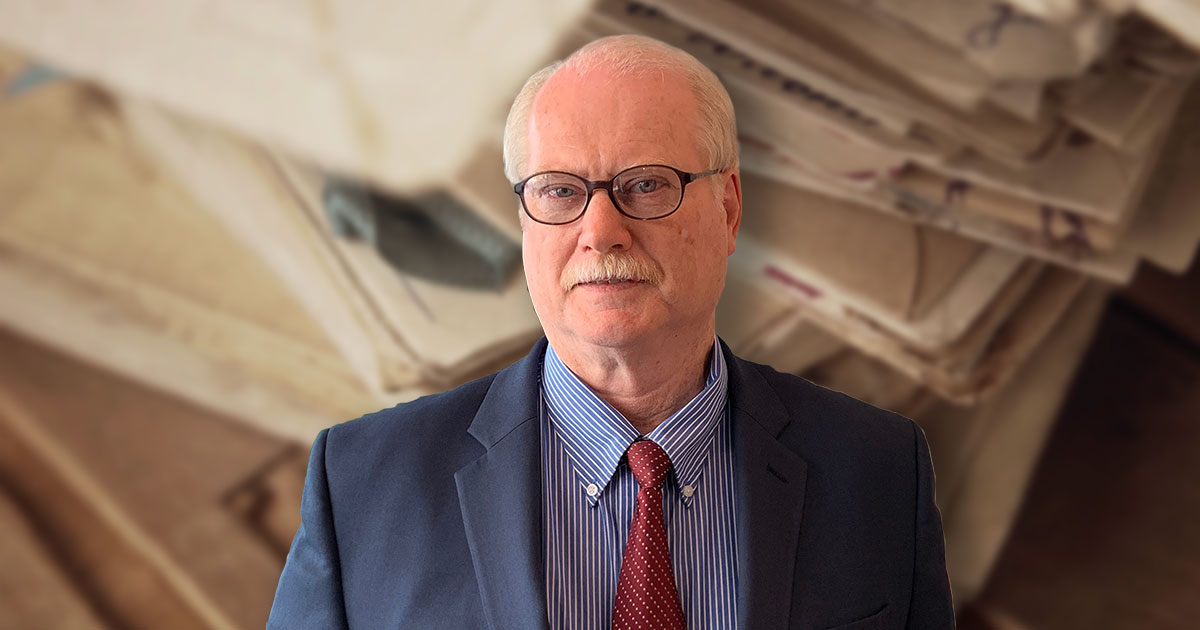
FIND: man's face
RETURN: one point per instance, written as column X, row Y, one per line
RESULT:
column 596, row 126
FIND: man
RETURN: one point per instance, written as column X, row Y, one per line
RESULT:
column 630, row 472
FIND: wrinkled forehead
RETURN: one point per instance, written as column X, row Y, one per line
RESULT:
column 598, row 122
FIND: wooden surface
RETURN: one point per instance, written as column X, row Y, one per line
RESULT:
column 34, row 589
column 1171, row 299
column 1108, row 537
column 133, row 491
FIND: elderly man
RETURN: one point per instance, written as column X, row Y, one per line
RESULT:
column 630, row 472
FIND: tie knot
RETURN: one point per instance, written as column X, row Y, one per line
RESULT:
column 649, row 464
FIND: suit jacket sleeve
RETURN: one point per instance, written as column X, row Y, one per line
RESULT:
column 309, row 594
column 931, row 605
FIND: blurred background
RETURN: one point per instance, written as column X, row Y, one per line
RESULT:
column 225, row 226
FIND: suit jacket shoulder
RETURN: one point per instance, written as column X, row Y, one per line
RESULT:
column 397, row 529
column 408, row 432
column 823, row 422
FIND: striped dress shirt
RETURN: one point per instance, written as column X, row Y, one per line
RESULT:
column 589, row 494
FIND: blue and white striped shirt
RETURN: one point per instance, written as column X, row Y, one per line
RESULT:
column 589, row 494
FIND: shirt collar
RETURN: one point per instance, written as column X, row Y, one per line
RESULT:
column 596, row 435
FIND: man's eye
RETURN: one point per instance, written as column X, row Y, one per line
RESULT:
column 558, row 192
column 645, row 186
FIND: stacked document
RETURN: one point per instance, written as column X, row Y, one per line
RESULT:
column 984, row 455
column 932, row 183
column 397, row 331
column 1063, row 141
column 188, row 258
column 398, row 94
column 950, row 312
column 937, row 184
column 106, row 258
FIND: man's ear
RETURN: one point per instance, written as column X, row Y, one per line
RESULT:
column 731, row 200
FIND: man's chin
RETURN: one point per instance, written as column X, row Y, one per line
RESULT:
column 607, row 333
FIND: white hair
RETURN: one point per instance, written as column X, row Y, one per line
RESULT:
column 632, row 55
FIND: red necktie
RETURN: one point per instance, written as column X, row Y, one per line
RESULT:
column 646, row 594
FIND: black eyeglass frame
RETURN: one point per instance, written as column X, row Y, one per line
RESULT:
column 685, row 178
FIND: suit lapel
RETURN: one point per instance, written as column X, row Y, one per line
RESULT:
column 770, row 481
column 500, row 497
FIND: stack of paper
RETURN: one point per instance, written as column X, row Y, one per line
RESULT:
column 132, row 237
column 1039, row 137
column 106, row 258
column 954, row 314
column 935, row 182
column 764, row 326
column 984, row 455
column 932, row 182
column 398, row 331
column 397, row 94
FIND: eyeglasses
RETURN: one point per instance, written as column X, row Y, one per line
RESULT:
column 645, row 192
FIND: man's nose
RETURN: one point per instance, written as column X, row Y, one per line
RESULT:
column 602, row 226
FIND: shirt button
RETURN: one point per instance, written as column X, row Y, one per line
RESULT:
column 688, row 491
column 593, row 490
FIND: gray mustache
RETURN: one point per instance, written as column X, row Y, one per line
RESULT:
column 611, row 267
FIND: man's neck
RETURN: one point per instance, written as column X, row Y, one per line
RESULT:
column 647, row 382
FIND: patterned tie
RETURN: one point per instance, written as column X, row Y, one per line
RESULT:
column 646, row 594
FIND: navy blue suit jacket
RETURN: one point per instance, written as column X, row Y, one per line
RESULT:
column 428, row 514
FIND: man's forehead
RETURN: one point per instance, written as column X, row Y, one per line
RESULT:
column 602, row 120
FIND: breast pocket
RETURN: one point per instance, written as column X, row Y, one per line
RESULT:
column 870, row 622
